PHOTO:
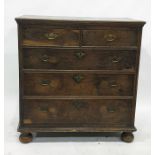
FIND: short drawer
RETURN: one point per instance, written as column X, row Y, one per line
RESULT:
column 79, row 112
column 110, row 37
column 79, row 59
column 70, row 83
column 44, row 36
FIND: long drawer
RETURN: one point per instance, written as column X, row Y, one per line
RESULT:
column 78, row 59
column 73, row 83
column 81, row 112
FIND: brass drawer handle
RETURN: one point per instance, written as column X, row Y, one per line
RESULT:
column 111, row 109
column 78, row 78
column 109, row 37
column 80, row 55
column 113, row 84
column 116, row 59
column 51, row 36
column 45, row 58
column 47, row 109
column 45, row 82
column 78, row 104
column 43, row 108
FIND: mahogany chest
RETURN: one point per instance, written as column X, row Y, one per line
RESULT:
column 78, row 75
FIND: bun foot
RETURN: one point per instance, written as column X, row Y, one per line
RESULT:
column 25, row 137
column 127, row 137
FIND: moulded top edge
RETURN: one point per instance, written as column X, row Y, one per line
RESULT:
column 78, row 19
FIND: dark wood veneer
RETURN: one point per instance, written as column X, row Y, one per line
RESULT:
column 67, row 112
column 78, row 76
column 90, row 84
column 43, row 36
column 79, row 59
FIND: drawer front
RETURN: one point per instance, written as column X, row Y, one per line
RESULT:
column 77, row 112
column 76, row 59
column 43, row 36
column 111, row 37
column 61, row 84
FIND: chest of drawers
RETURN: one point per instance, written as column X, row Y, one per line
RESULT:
column 78, row 75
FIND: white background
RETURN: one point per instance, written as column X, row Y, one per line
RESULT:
column 138, row 9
